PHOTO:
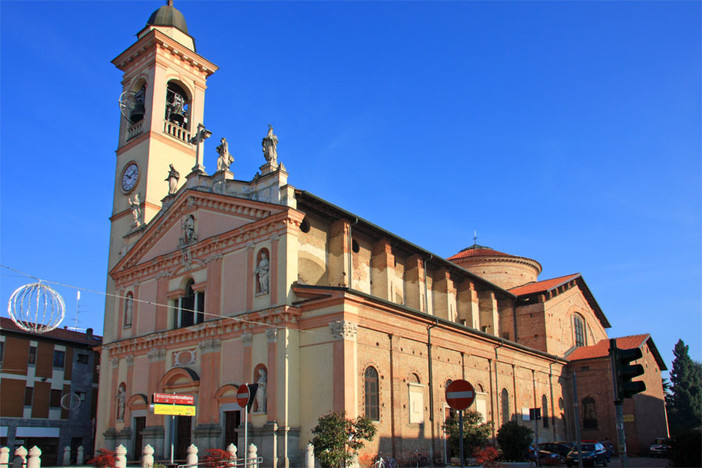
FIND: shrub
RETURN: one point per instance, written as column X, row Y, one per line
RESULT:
column 103, row 459
column 514, row 440
column 687, row 449
column 475, row 432
column 338, row 439
column 216, row 458
column 487, row 457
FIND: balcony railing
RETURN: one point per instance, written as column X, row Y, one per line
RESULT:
column 176, row 131
column 135, row 129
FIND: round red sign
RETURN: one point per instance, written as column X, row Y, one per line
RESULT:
column 242, row 395
column 460, row 394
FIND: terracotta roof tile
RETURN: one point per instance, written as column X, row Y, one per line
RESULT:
column 57, row 334
column 478, row 251
column 542, row 286
column 601, row 349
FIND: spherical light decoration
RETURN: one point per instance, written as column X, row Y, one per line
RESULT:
column 70, row 401
column 36, row 308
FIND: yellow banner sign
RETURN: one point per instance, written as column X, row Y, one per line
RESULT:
column 628, row 418
column 174, row 410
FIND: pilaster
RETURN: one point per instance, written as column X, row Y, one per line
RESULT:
column 339, row 253
column 468, row 305
column 272, row 384
column 247, row 343
column 157, row 367
column 443, row 294
column 382, row 269
column 414, row 281
column 344, row 334
column 210, row 358
column 488, row 312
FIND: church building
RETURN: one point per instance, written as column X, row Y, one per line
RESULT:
column 214, row 282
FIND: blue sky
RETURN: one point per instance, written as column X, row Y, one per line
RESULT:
column 567, row 132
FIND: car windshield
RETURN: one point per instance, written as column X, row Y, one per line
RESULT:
column 588, row 447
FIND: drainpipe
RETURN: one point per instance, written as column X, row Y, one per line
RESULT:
column 351, row 253
column 431, row 389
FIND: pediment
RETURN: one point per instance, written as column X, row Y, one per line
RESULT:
column 195, row 217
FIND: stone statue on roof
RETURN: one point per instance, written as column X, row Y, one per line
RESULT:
column 270, row 144
column 225, row 159
column 172, row 179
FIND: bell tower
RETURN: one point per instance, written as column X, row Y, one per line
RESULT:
column 162, row 104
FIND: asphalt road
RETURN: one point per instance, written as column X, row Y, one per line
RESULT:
column 642, row 462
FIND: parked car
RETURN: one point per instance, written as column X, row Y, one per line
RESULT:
column 561, row 449
column 660, row 447
column 546, row 458
column 592, row 454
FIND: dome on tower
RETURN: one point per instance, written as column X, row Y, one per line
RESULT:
column 168, row 16
column 505, row 270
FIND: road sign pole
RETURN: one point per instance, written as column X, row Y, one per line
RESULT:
column 172, row 436
column 577, row 421
column 619, row 407
column 246, row 435
column 460, row 443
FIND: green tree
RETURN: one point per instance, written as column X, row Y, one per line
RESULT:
column 338, row 439
column 685, row 399
column 514, row 440
column 475, row 432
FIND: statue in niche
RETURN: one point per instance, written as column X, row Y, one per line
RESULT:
column 270, row 144
column 225, row 159
column 172, row 180
column 261, row 391
column 261, row 273
column 121, row 401
column 135, row 205
column 189, row 229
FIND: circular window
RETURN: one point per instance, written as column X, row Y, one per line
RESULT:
column 355, row 247
column 305, row 225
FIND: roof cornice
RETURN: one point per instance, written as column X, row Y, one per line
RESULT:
column 155, row 40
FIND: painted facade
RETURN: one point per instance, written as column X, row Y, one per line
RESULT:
column 218, row 282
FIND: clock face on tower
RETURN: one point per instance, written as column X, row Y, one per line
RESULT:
column 130, row 176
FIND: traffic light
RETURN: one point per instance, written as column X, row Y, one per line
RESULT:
column 623, row 372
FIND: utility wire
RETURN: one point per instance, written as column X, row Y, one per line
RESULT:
column 156, row 304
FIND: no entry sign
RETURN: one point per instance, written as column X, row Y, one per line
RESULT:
column 460, row 394
column 242, row 395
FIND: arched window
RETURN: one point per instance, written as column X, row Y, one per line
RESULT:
column 579, row 330
column 544, row 410
column 128, row 310
column 504, row 402
column 589, row 413
column 372, row 397
column 191, row 307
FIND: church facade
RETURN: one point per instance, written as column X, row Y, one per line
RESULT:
column 214, row 282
